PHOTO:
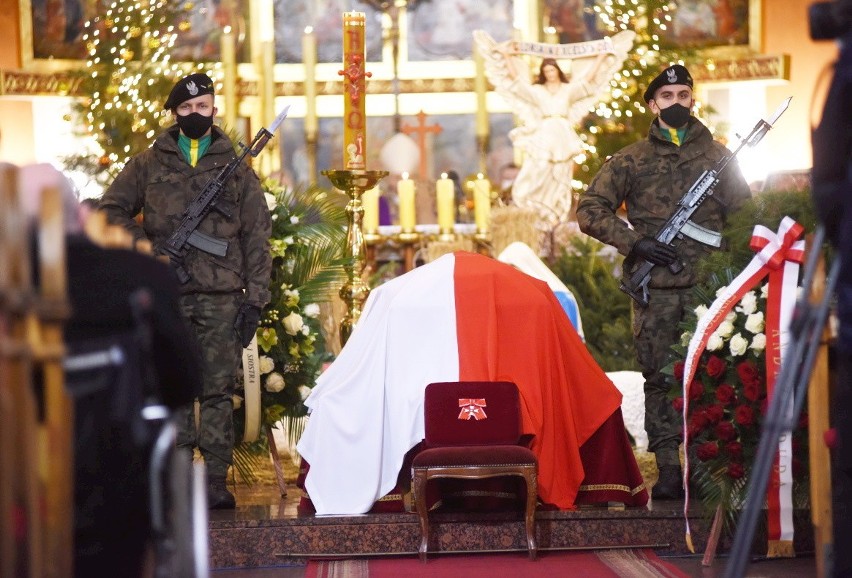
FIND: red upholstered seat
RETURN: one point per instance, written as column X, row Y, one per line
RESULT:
column 472, row 432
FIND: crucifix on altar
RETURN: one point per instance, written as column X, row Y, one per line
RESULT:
column 422, row 130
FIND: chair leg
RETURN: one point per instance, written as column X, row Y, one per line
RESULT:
column 529, row 517
column 420, row 477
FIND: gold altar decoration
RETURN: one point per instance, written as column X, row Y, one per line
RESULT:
column 354, row 291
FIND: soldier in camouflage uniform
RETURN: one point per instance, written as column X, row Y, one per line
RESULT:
column 224, row 296
column 649, row 177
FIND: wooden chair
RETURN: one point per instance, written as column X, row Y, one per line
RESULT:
column 472, row 432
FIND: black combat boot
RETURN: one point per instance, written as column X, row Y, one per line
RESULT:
column 669, row 485
column 218, row 495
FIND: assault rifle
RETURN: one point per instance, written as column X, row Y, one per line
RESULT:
column 680, row 225
column 187, row 233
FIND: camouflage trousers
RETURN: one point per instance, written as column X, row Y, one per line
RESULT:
column 655, row 329
column 211, row 317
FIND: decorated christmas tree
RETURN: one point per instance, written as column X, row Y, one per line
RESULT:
column 127, row 77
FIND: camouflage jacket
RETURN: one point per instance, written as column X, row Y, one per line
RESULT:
column 160, row 184
column 649, row 177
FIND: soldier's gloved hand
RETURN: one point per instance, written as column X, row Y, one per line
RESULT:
column 248, row 318
column 650, row 249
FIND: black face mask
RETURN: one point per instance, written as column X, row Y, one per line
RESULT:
column 194, row 125
column 675, row 116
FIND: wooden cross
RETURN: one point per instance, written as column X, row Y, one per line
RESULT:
column 422, row 129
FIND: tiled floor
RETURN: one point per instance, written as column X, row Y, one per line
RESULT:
column 263, row 502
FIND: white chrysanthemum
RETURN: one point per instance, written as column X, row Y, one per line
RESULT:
column 726, row 328
column 292, row 323
column 274, row 382
column 270, row 201
column 748, row 304
column 755, row 322
column 700, row 311
column 312, row 310
column 758, row 343
column 738, row 345
column 304, row 392
column 266, row 364
column 237, row 400
column 715, row 342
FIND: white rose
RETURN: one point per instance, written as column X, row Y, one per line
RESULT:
column 266, row 364
column 292, row 323
column 270, row 201
column 738, row 345
column 759, row 342
column 726, row 328
column 731, row 316
column 274, row 382
column 754, row 323
column 715, row 342
column 764, row 291
column 312, row 310
column 719, row 291
column 306, row 330
column 294, row 220
column 748, row 304
column 304, row 392
column 700, row 311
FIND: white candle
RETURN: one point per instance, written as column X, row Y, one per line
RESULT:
column 405, row 190
column 481, row 203
column 370, row 201
column 446, row 201
column 309, row 59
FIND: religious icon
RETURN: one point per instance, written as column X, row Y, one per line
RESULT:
column 549, row 108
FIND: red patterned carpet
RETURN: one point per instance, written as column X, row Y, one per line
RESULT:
column 627, row 563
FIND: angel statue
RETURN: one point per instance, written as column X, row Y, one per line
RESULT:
column 548, row 110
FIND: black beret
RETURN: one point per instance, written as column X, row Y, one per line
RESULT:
column 675, row 74
column 189, row 87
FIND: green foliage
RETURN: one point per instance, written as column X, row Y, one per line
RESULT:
column 766, row 208
column 307, row 243
column 604, row 308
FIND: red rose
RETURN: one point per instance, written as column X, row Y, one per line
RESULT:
column 749, row 374
column 726, row 394
column 715, row 413
column 707, row 451
column 678, row 371
column 751, row 391
column 744, row 415
column 677, row 404
column 696, row 390
column 736, row 471
column 715, row 367
column 699, row 420
column 725, row 431
column 734, row 449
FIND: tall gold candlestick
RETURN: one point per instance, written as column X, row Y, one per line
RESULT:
column 309, row 59
column 354, row 291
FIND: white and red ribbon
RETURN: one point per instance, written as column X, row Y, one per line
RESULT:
column 472, row 409
column 778, row 256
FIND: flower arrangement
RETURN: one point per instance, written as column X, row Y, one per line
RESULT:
column 728, row 402
column 307, row 245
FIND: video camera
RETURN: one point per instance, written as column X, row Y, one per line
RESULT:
column 829, row 20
